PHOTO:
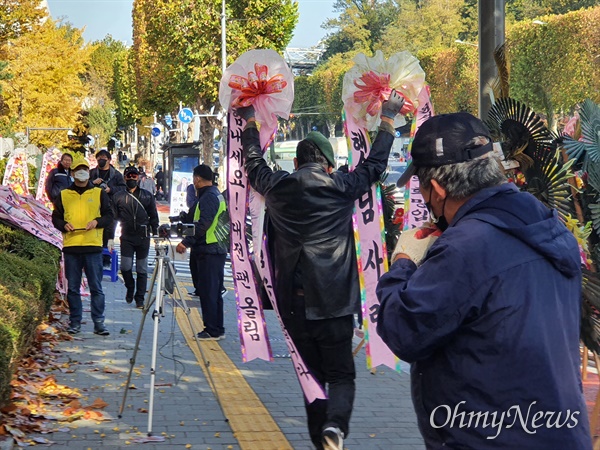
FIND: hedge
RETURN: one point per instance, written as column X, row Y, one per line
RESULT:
column 28, row 273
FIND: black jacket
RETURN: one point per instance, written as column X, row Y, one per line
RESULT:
column 309, row 227
column 58, row 179
column 132, row 215
column 115, row 180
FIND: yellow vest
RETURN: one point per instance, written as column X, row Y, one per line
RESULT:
column 79, row 210
column 211, row 238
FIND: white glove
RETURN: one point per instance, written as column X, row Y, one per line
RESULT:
column 110, row 245
column 415, row 243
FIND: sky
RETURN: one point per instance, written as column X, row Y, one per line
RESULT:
column 102, row 17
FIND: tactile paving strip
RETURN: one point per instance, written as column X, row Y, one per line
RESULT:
column 251, row 422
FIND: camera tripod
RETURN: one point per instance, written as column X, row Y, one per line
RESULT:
column 163, row 282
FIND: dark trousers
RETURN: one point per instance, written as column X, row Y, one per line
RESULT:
column 326, row 348
column 209, row 270
column 140, row 247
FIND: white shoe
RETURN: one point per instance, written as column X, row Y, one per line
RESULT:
column 333, row 439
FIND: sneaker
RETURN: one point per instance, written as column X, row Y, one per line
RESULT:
column 100, row 330
column 139, row 305
column 74, row 329
column 205, row 336
column 333, row 439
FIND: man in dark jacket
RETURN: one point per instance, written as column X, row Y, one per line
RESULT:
column 309, row 229
column 59, row 178
column 136, row 210
column 487, row 314
column 81, row 212
column 207, row 255
column 108, row 178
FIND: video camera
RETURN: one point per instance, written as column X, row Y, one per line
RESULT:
column 176, row 228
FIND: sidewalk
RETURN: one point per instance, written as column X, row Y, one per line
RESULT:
column 262, row 400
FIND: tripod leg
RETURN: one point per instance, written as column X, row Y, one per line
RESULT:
column 137, row 344
column 158, row 303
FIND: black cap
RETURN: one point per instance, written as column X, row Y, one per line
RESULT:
column 203, row 171
column 103, row 152
column 446, row 139
column 130, row 170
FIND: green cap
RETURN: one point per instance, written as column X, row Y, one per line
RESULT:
column 322, row 144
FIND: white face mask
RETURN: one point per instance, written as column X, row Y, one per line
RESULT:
column 82, row 175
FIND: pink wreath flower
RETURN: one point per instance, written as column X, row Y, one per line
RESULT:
column 260, row 78
column 370, row 82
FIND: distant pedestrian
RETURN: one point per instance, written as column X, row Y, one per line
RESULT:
column 160, row 181
column 147, row 183
column 82, row 212
column 60, row 177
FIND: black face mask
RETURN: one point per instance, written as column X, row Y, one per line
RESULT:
column 131, row 183
column 102, row 163
column 441, row 221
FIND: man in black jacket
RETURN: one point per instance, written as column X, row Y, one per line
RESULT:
column 59, row 178
column 207, row 255
column 108, row 178
column 309, row 229
column 136, row 210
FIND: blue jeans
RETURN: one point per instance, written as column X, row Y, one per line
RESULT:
column 75, row 264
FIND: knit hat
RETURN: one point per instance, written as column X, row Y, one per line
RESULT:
column 203, row 171
column 322, row 144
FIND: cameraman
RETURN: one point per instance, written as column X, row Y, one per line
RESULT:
column 110, row 180
column 135, row 209
column 207, row 255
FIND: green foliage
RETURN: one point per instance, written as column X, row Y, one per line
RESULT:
column 100, row 72
column 28, row 271
column 102, row 121
column 555, row 64
column 124, row 89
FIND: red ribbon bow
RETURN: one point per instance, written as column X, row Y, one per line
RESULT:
column 256, row 84
column 376, row 90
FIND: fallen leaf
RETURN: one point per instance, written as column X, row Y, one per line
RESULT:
column 98, row 404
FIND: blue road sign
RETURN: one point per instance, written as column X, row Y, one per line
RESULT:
column 155, row 131
column 185, row 115
column 169, row 120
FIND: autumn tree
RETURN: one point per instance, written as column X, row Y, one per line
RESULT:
column 46, row 89
column 423, row 25
column 18, row 17
column 127, row 111
column 177, row 49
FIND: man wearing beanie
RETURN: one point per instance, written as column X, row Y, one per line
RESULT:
column 311, row 243
column 207, row 255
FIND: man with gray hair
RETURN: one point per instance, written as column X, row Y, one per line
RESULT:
column 485, row 303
